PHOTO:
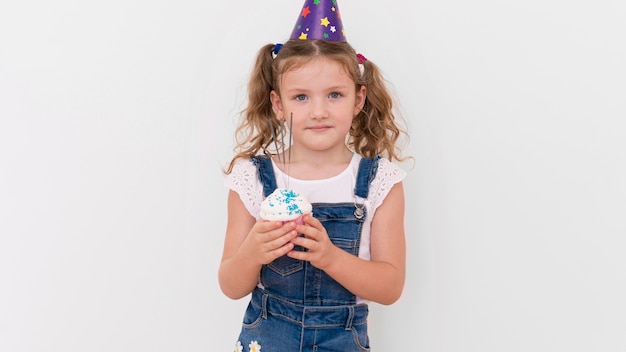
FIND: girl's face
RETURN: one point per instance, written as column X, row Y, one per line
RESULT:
column 323, row 100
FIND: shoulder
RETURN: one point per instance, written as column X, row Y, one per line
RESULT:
column 244, row 181
column 387, row 175
column 389, row 170
column 243, row 169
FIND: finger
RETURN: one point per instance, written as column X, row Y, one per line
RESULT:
column 280, row 251
column 306, row 242
column 308, row 219
column 311, row 232
column 299, row 255
column 278, row 230
column 266, row 226
column 313, row 225
column 282, row 240
column 270, row 256
column 262, row 231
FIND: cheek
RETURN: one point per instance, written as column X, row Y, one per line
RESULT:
column 295, row 122
column 289, row 109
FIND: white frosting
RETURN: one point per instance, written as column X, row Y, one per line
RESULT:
column 284, row 205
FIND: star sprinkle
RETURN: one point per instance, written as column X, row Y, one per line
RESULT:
column 325, row 35
column 302, row 36
column 325, row 22
column 316, row 2
column 332, row 9
column 306, row 11
column 333, row 29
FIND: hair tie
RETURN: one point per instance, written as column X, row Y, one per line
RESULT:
column 277, row 48
column 361, row 58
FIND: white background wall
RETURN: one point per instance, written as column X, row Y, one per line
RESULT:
column 116, row 116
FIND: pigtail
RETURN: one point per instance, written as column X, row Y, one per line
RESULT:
column 261, row 83
column 253, row 133
column 375, row 129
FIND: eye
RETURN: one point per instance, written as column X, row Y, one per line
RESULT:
column 334, row 95
column 300, row 97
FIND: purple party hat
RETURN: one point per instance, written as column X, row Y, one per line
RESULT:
column 319, row 20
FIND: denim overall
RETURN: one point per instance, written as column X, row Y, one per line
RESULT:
column 301, row 308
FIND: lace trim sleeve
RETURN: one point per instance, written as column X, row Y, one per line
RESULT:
column 388, row 174
column 244, row 180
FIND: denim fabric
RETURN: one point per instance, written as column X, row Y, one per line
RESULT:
column 301, row 308
column 279, row 325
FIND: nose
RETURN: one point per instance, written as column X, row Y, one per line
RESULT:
column 319, row 109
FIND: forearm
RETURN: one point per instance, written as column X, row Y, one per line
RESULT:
column 238, row 276
column 379, row 282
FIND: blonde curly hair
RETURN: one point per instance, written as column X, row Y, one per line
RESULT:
column 374, row 131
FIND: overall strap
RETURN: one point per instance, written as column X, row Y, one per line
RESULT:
column 367, row 172
column 265, row 170
column 365, row 175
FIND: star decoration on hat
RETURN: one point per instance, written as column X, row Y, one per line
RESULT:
column 325, row 22
column 305, row 12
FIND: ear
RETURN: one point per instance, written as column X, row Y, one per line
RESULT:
column 277, row 105
column 361, row 95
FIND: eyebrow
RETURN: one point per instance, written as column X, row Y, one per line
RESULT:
column 303, row 89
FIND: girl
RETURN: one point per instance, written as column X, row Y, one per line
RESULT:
column 310, row 283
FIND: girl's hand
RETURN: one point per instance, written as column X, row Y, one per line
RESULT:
column 268, row 240
column 320, row 249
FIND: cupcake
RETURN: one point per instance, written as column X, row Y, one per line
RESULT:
column 284, row 205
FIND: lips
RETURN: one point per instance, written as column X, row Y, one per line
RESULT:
column 319, row 128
